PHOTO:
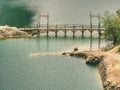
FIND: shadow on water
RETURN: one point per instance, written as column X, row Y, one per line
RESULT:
column 92, row 65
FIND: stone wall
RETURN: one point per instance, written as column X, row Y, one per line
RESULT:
column 108, row 66
column 102, row 71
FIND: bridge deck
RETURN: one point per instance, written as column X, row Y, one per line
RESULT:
column 58, row 29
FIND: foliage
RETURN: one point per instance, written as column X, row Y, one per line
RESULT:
column 111, row 23
column 108, row 47
column 118, row 49
column 118, row 12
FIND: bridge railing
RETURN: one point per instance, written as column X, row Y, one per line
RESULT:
column 62, row 26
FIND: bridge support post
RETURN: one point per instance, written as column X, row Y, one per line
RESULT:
column 73, row 31
column 31, row 31
column 47, row 24
column 38, row 32
column 56, row 31
column 99, row 31
column 90, row 31
column 82, row 31
column 65, row 31
column 39, row 29
column 91, row 40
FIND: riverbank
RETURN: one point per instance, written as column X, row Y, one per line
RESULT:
column 11, row 32
column 108, row 65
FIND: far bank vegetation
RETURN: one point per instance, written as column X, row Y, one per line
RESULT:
column 111, row 22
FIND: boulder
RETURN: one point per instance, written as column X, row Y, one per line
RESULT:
column 64, row 53
column 76, row 49
column 6, row 31
column 91, row 59
column 72, row 54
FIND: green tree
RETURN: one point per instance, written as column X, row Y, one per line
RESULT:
column 118, row 12
column 111, row 23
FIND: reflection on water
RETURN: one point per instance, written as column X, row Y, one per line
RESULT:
column 93, row 43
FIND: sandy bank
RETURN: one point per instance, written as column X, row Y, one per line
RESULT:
column 108, row 65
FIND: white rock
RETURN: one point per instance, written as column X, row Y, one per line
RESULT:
column 6, row 31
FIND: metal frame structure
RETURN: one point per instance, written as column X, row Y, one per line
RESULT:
column 47, row 17
column 99, row 26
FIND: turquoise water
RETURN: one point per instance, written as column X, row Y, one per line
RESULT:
column 21, row 71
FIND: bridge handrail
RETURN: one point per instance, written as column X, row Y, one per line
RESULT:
column 64, row 25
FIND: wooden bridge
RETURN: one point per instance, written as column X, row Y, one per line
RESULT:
column 63, row 27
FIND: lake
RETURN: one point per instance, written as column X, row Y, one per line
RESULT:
column 19, row 70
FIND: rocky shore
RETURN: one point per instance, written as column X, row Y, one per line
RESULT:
column 108, row 65
column 10, row 32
